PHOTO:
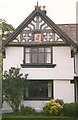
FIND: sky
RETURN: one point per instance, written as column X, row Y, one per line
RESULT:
column 60, row 11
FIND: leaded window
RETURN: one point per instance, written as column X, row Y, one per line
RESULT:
column 39, row 89
column 38, row 55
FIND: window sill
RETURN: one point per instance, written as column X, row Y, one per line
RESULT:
column 37, row 98
column 38, row 65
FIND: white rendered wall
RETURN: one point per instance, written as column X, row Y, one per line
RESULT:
column 63, row 89
column 36, row 104
column 64, row 63
column 14, row 57
column 64, row 68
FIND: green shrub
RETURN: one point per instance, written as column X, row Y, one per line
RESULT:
column 52, row 108
column 60, row 101
column 70, row 109
column 26, row 110
column 76, row 109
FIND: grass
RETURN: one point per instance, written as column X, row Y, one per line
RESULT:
column 36, row 117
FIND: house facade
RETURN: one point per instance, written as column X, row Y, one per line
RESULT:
column 46, row 53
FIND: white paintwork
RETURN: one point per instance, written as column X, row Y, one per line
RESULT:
column 61, row 57
column 6, row 107
column 63, row 89
column 14, row 57
column 36, row 104
column 65, row 64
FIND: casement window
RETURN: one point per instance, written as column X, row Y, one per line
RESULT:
column 38, row 57
column 39, row 90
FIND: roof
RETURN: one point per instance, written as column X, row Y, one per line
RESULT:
column 70, row 30
column 59, row 29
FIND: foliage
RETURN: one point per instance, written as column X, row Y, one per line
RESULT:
column 71, row 109
column 6, row 29
column 52, row 108
column 0, row 80
column 26, row 110
column 60, row 101
column 36, row 117
column 13, row 87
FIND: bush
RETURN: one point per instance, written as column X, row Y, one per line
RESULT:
column 71, row 109
column 60, row 101
column 26, row 110
column 52, row 108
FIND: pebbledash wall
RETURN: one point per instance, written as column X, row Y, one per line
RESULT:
column 61, row 74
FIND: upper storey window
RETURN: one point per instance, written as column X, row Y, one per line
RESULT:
column 38, row 55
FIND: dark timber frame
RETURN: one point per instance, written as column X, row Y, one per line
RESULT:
column 43, row 80
column 40, row 13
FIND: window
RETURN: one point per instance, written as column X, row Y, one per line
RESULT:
column 39, row 90
column 38, row 55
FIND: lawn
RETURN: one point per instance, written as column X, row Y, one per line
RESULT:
column 36, row 117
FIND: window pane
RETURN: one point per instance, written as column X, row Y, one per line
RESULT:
column 28, row 58
column 41, row 58
column 38, row 90
column 26, row 92
column 48, row 58
column 47, row 49
column 41, row 49
column 28, row 50
column 34, row 58
column 34, row 50
column 49, row 89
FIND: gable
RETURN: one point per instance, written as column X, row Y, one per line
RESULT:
column 38, row 24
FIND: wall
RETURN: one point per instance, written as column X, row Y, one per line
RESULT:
column 61, row 74
column 38, row 105
column 14, row 57
column 64, row 68
column 63, row 89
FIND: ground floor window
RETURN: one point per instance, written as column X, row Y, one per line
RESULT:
column 39, row 89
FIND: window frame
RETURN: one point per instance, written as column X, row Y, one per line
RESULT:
column 38, row 53
column 41, row 98
column 45, row 64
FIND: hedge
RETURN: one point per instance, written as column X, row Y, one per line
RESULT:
column 71, row 109
column 40, row 119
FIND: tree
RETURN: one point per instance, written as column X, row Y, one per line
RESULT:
column 6, row 29
column 14, row 85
